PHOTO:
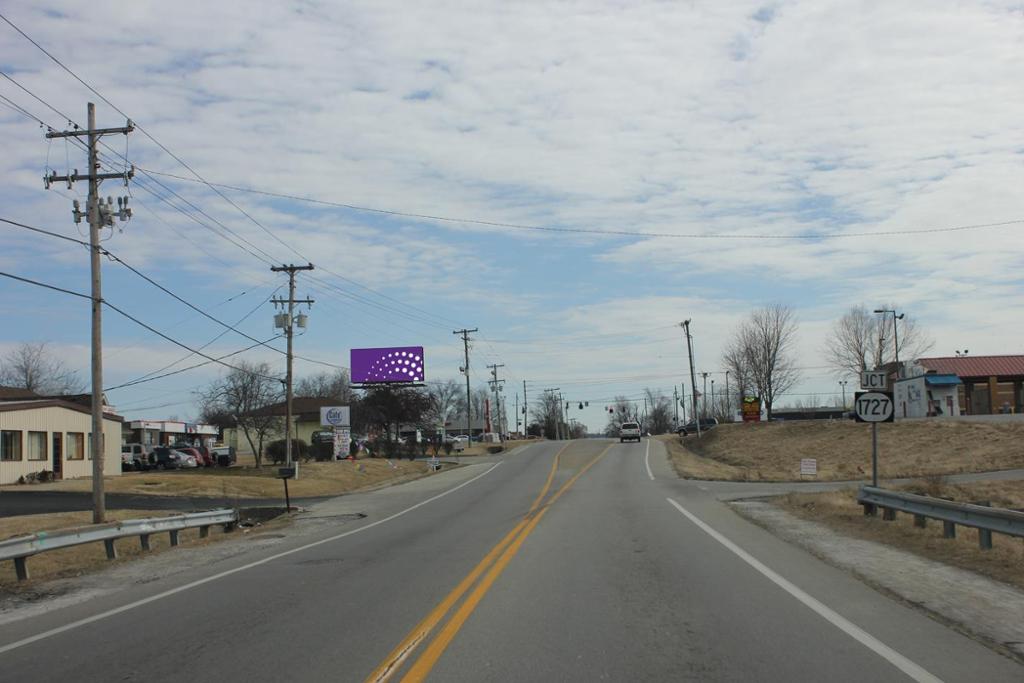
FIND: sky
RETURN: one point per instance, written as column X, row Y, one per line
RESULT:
column 684, row 160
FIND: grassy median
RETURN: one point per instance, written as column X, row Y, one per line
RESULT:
column 772, row 451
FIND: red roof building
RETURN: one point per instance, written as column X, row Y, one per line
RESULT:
column 991, row 384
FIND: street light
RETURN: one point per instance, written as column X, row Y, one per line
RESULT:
column 895, row 335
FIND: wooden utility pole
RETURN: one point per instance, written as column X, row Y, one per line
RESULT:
column 289, row 328
column 693, row 375
column 99, row 214
column 495, row 388
column 469, row 399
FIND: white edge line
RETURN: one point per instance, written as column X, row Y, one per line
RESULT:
column 905, row 665
column 188, row 586
column 647, row 460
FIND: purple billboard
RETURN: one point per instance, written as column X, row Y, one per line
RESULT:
column 387, row 365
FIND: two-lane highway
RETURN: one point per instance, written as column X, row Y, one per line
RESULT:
column 584, row 560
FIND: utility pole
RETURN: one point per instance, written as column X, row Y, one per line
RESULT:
column 693, row 377
column 675, row 402
column 517, row 412
column 469, row 399
column 289, row 328
column 99, row 215
column 714, row 405
column 495, row 388
column 728, row 398
column 526, row 410
column 704, row 396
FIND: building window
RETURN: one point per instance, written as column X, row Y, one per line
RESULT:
column 10, row 444
column 76, row 446
column 36, row 445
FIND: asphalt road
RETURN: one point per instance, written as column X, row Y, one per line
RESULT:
column 597, row 565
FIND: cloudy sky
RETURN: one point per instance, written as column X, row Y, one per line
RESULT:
column 744, row 148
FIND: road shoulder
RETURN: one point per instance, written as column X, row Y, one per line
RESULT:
column 987, row 610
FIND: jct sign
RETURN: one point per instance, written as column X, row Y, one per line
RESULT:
column 874, row 380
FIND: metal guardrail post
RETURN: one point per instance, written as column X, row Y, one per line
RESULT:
column 979, row 515
column 21, row 548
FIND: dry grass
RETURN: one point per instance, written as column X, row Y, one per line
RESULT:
column 840, row 511
column 88, row 557
column 772, row 451
column 315, row 479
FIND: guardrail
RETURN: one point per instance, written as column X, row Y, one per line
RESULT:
column 981, row 517
column 21, row 548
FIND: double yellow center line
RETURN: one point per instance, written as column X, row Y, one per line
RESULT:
column 490, row 567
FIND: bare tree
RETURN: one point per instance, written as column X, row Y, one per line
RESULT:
column 444, row 402
column 335, row 385
column 659, row 412
column 862, row 340
column 760, row 355
column 32, row 366
column 621, row 410
column 247, row 394
column 547, row 413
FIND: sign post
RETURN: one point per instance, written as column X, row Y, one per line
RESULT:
column 874, row 407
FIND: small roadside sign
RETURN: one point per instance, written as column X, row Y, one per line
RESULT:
column 874, row 406
column 808, row 467
column 335, row 416
column 874, row 380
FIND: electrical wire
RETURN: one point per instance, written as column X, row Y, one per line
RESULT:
column 138, row 322
column 595, row 231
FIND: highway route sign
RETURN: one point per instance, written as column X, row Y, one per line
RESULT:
column 874, row 406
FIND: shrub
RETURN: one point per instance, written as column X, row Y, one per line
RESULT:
column 275, row 451
column 493, row 450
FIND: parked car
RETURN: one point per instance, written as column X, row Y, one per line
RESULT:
column 706, row 424
column 134, row 456
column 164, row 458
column 188, row 461
column 202, row 460
column 629, row 431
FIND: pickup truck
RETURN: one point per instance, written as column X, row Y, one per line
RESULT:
column 134, row 456
column 629, row 431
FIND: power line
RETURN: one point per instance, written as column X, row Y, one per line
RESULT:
column 137, row 322
column 595, row 231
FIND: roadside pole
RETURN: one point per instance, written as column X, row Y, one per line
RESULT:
column 874, row 454
column 874, row 407
column 469, row 399
column 289, row 329
column 99, row 215
column 693, row 375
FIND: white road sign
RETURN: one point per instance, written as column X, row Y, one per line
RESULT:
column 874, row 380
column 808, row 467
column 335, row 416
column 874, row 406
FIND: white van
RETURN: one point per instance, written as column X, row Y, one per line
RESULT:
column 629, row 431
